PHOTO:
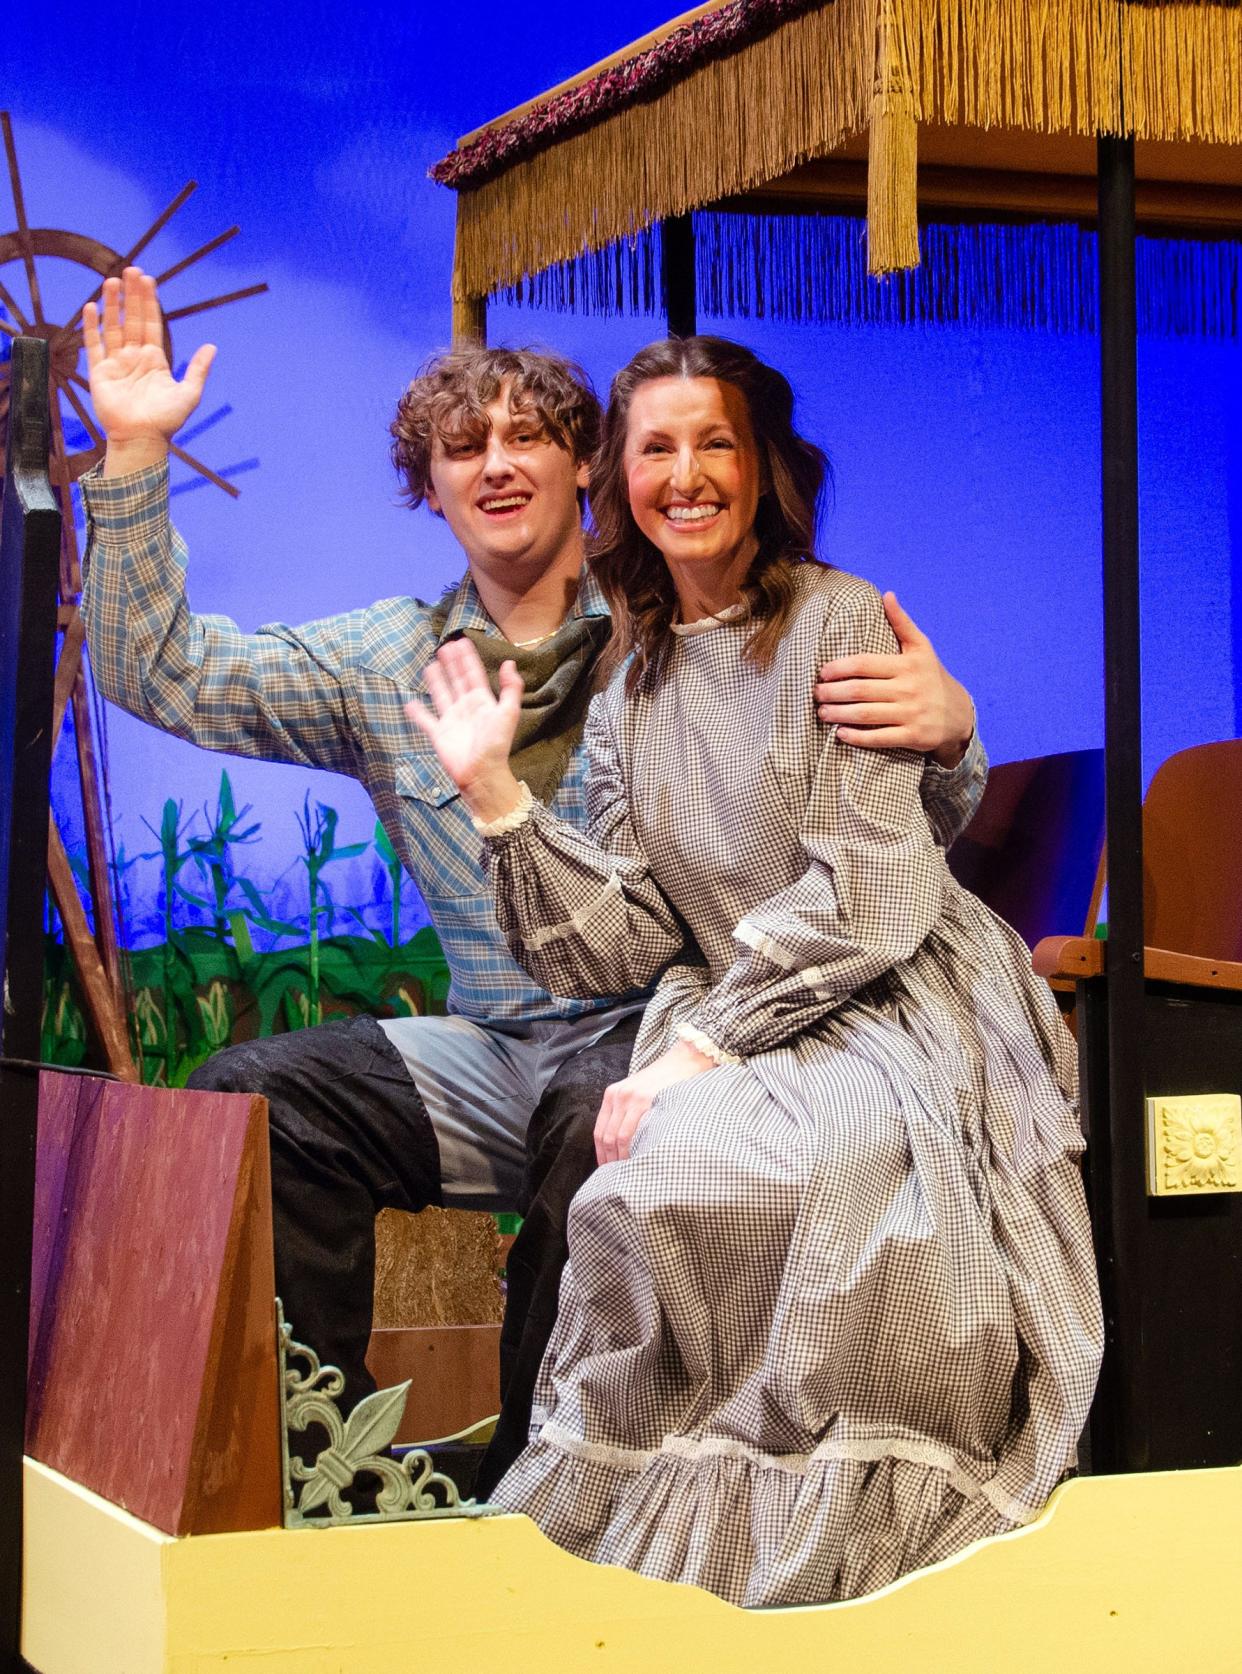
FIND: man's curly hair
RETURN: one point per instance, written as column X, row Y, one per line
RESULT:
column 451, row 393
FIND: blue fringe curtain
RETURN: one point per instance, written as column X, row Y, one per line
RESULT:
column 813, row 269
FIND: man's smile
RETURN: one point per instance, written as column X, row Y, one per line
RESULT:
column 498, row 506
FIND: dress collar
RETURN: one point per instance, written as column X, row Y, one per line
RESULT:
column 731, row 613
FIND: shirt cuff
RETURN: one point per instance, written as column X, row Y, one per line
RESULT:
column 126, row 508
column 964, row 767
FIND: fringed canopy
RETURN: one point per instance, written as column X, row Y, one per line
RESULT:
column 748, row 99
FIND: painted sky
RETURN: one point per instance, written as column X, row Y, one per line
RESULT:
column 966, row 461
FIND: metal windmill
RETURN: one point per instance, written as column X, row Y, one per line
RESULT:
column 96, row 956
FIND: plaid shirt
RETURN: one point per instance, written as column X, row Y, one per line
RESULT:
column 332, row 694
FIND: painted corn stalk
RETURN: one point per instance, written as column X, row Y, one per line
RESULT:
column 229, row 960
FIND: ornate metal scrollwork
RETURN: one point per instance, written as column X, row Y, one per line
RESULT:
column 339, row 1486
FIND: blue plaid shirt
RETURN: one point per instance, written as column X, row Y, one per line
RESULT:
column 332, row 694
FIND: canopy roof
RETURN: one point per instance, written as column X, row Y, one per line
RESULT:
column 971, row 107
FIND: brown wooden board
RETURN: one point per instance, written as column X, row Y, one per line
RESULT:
column 454, row 1371
column 1192, row 864
column 152, row 1360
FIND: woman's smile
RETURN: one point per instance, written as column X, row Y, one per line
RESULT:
column 692, row 516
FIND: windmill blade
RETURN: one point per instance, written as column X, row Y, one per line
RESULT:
column 62, row 480
column 67, row 666
column 203, row 250
column 23, row 227
column 203, row 470
column 6, row 297
column 214, row 302
column 160, row 222
column 80, row 408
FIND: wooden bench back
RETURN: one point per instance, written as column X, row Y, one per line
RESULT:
column 1032, row 852
column 1192, row 853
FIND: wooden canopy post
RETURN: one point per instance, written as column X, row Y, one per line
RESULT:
column 469, row 310
column 678, row 275
column 29, row 560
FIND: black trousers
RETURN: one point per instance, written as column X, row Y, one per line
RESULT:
column 350, row 1136
column 560, row 1154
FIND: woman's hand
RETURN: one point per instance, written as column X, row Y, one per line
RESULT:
column 906, row 701
column 471, row 731
column 627, row 1102
column 138, row 402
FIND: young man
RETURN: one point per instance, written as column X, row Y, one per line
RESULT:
column 493, row 1105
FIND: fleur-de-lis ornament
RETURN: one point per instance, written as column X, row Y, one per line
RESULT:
column 357, row 1448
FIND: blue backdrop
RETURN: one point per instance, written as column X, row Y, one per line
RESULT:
column 966, row 460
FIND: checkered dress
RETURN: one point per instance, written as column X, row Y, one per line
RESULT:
column 836, row 1316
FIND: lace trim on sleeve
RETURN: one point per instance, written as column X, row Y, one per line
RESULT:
column 701, row 1042
column 517, row 815
column 577, row 922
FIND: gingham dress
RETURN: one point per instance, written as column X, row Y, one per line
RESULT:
column 836, row 1316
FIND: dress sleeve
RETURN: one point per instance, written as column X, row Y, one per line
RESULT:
column 277, row 694
column 679, row 992
column 581, row 910
column 872, row 889
column 951, row 795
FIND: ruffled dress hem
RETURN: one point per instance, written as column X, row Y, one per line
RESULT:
column 760, row 1530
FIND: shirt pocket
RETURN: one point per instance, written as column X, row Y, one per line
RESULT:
column 423, row 780
column 445, row 848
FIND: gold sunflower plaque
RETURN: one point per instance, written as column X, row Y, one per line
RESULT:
column 1193, row 1144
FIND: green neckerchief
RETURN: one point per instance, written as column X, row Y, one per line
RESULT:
column 559, row 680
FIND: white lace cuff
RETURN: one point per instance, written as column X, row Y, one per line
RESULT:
column 696, row 1038
column 516, row 816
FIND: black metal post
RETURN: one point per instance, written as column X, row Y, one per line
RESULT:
column 678, row 284
column 29, row 559
column 1120, row 1431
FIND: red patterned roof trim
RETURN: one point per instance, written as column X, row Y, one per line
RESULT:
column 641, row 77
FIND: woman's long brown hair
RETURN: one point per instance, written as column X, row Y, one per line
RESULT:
column 632, row 571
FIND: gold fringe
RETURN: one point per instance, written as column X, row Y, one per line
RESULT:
column 728, row 126
column 1171, row 72
column 1183, row 72
column 1071, row 66
column 893, row 148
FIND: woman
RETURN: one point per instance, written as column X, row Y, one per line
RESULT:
column 832, row 1314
